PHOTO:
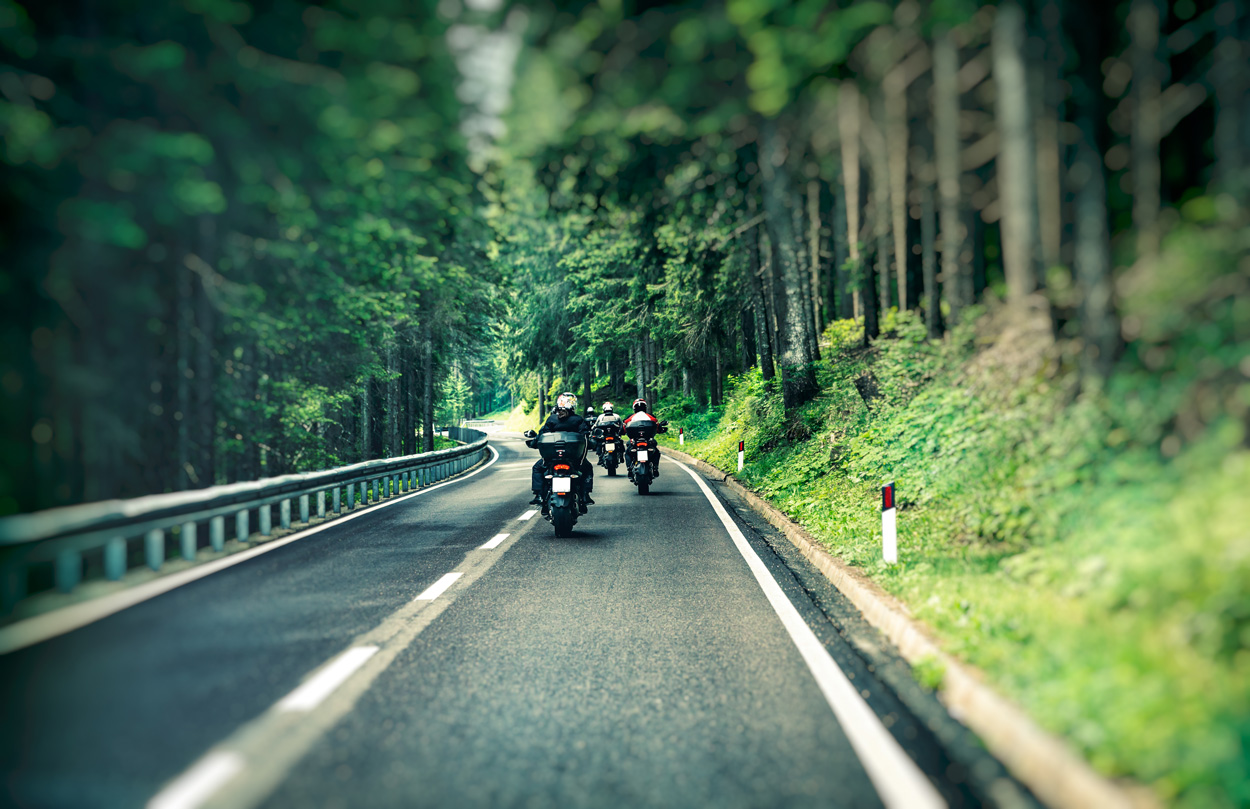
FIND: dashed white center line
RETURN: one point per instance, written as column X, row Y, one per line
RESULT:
column 494, row 542
column 439, row 587
column 528, row 514
column 198, row 784
column 310, row 694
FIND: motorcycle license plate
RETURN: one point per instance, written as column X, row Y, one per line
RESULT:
column 562, row 485
column 610, row 447
column 642, row 455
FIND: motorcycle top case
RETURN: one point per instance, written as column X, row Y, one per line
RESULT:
column 569, row 448
column 641, row 429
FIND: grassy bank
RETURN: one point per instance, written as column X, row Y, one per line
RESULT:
column 1086, row 545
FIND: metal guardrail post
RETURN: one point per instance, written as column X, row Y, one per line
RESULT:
column 187, row 541
column 115, row 558
column 265, row 519
column 338, row 491
column 154, row 548
column 284, row 513
column 68, row 570
column 217, row 533
column 303, row 509
column 241, row 529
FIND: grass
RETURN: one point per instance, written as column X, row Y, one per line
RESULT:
column 1086, row 545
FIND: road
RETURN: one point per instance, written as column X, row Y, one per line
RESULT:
column 663, row 656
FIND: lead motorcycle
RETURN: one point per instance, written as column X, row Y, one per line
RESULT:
column 611, row 447
column 642, row 452
column 563, row 454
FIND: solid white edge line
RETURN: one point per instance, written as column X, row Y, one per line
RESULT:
column 311, row 693
column 66, row 619
column 494, row 542
column 439, row 587
column 528, row 514
column 899, row 782
column 197, row 784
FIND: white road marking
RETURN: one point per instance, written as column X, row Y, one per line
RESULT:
column 322, row 684
column 197, row 784
column 50, row 624
column 494, row 542
column 898, row 780
column 439, row 587
column 528, row 514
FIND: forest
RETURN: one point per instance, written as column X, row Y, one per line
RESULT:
column 245, row 239
column 1000, row 247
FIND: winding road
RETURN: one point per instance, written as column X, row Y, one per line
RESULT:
column 445, row 650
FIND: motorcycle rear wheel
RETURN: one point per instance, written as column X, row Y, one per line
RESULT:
column 563, row 522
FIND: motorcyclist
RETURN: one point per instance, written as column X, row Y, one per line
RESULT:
column 608, row 421
column 641, row 414
column 564, row 419
column 608, row 417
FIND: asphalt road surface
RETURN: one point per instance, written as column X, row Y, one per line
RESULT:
column 441, row 651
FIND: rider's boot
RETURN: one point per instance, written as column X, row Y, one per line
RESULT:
column 538, row 499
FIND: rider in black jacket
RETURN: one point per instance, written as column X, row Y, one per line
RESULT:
column 563, row 420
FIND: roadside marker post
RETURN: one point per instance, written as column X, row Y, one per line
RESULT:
column 681, row 436
column 889, row 525
column 741, row 455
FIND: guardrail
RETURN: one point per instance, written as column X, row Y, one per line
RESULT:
column 58, row 548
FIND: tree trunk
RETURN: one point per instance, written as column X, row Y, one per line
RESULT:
column 928, row 237
column 879, row 177
column 1148, row 77
column 427, row 385
column 868, row 300
column 1232, row 98
column 1017, row 158
column 1051, row 163
column 848, row 129
column 798, row 378
column 182, row 416
column 587, row 385
column 756, row 287
column 365, row 431
column 1099, row 328
column 947, row 147
column 801, row 256
column 842, row 292
column 896, row 135
column 813, row 244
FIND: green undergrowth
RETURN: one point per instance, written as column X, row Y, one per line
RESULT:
column 1086, row 545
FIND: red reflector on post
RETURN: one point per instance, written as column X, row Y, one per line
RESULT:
column 887, row 496
column 740, row 448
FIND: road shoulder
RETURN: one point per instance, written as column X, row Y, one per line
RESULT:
column 880, row 629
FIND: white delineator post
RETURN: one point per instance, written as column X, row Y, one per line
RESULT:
column 741, row 455
column 889, row 525
column 681, row 436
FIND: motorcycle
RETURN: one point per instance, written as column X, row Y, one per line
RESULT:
column 611, row 448
column 642, row 452
column 563, row 454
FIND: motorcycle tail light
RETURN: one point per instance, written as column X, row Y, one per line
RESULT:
column 562, row 467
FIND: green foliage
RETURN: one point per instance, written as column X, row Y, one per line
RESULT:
column 1083, row 544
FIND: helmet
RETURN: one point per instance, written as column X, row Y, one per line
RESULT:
column 590, row 410
column 567, row 402
column 640, row 404
column 607, row 407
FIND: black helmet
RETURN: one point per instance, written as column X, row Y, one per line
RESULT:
column 640, row 404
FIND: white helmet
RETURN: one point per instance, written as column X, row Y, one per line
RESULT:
column 566, row 401
column 607, row 407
